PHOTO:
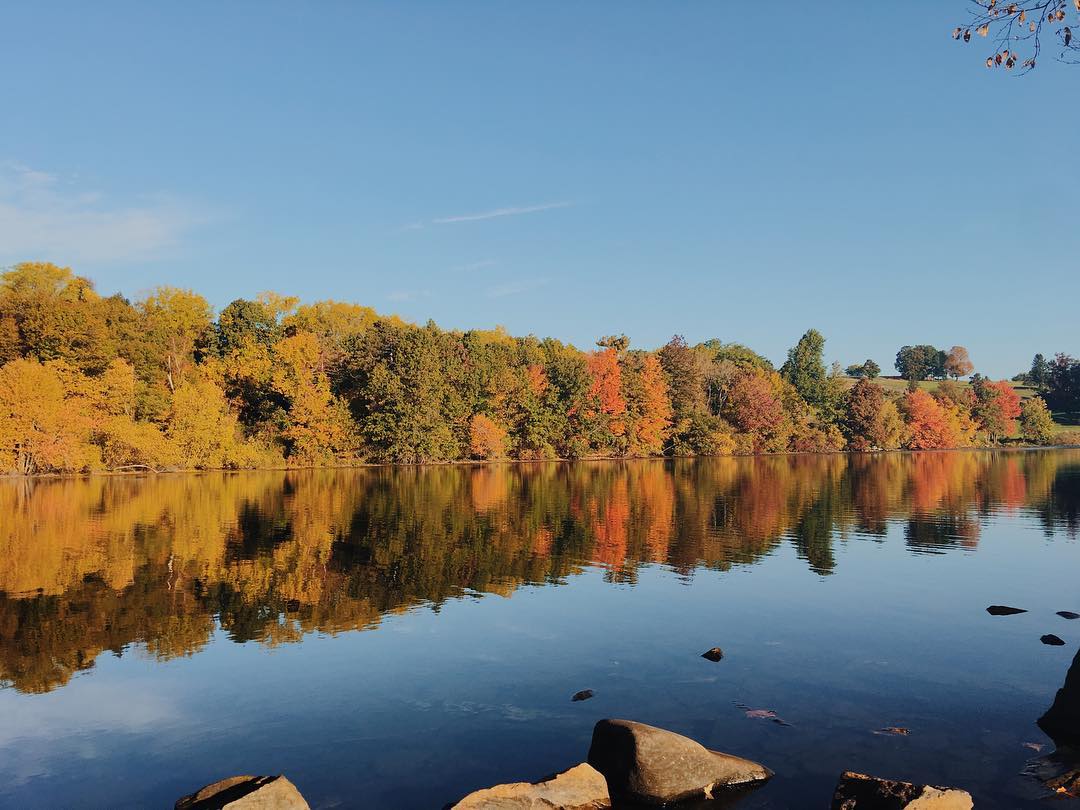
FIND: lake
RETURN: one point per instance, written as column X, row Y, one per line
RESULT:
column 397, row 637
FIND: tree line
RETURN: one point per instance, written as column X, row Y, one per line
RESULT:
column 91, row 382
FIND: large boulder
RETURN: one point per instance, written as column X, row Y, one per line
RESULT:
column 649, row 765
column 580, row 788
column 857, row 791
column 1062, row 720
column 246, row 793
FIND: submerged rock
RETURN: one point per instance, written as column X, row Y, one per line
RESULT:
column 1059, row 772
column 246, row 793
column 1004, row 610
column 1068, row 614
column 857, row 791
column 579, row 788
column 650, row 765
column 1052, row 640
column 715, row 654
column 1062, row 720
column 584, row 694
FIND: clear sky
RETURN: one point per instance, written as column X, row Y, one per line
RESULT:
column 741, row 171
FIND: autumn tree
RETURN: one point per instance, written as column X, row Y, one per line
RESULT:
column 1036, row 423
column 871, row 420
column 957, row 363
column 487, row 439
column 648, row 407
column 41, row 429
column 317, row 427
column 997, row 405
column 204, row 429
column 928, row 424
column 754, row 407
column 175, row 319
column 605, row 389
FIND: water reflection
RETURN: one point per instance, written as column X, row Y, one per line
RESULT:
column 88, row 566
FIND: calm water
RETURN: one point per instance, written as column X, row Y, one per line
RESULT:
column 397, row 637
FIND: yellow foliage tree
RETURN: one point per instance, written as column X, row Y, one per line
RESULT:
column 204, row 430
column 41, row 429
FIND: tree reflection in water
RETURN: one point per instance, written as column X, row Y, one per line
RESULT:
column 89, row 565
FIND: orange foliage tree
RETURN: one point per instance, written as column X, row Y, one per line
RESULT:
column 487, row 439
column 605, row 389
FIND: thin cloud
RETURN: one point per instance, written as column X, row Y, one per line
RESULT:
column 515, row 287
column 511, row 211
column 480, row 265
column 44, row 217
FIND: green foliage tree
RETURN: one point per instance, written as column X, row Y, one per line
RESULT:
column 1036, row 423
column 805, row 367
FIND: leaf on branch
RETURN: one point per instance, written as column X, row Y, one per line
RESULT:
column 983, row 30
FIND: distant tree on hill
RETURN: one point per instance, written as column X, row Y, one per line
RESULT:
column 1039, row 375
column 869, row 369
column 958, row 363
column 1063, row 384
column 920, row 362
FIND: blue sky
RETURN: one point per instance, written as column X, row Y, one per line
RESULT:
column 713, row 169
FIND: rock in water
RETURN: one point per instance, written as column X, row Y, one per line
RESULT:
column 246, row 793
column 1059, row 772
column 584, row 694
column 1052, row 640
column 1004, row 610
column 1068, row 614
column 715, row 654
column 580, row 788
column 1062, row 720
column 649, row 765
column 857, row 791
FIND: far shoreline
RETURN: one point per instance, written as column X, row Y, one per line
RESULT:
column 369, row 465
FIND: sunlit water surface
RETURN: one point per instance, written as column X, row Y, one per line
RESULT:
column 398, row 637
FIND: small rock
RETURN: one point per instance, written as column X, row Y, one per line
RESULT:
column 1052, row 640
column 1068, row 614
column 246, row 793
column 857, row 791
column 584, row 694
column 580, row 788
column 715, row 654
column 650, row 765
column 1004, row 610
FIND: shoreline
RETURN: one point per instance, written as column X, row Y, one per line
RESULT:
column 366, row 465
